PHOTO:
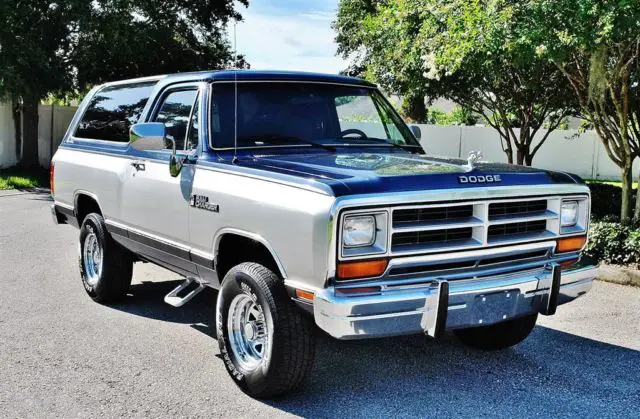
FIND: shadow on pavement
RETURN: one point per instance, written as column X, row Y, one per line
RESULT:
column 551, row 373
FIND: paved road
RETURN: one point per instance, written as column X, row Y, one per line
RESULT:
column 61, row 355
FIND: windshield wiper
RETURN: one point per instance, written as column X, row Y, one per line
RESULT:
column 275, row 138
column 411, row 148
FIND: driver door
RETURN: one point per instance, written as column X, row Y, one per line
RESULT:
column 155, row 204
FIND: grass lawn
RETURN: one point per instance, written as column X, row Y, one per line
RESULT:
column 15, row 178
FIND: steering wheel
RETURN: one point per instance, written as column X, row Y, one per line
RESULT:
column 353, row 131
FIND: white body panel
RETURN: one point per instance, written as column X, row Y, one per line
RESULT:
column 291, row 220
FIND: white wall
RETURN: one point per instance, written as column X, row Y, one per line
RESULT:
column 566, row 151
column 62, row 116
column 7, row 137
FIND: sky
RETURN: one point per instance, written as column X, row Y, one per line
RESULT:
column 289, row 35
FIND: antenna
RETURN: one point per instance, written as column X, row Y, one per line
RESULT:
column 235, row 95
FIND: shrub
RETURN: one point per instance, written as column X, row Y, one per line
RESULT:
column 605, row 200
column 612, row 242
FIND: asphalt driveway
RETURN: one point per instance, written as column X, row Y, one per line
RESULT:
column 61, row 355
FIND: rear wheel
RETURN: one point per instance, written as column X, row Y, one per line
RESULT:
column 266, row 343
column 498, row 336
column 105, row 267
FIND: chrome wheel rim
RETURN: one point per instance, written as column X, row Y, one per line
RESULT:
column 92, row 258
column 248, row 333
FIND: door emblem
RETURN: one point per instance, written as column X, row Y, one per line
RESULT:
column 202, row 202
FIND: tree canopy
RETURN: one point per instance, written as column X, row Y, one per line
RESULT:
column 466, row 51
column 596, row 46
column 60, row 46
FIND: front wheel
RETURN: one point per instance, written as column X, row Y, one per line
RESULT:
column 498, row 336
column 266, row 343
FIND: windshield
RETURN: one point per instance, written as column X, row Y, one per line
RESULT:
column 292, row 114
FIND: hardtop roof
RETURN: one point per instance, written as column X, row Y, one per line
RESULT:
column 250, row 75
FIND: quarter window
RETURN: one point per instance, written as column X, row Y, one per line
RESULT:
column 175, row 112
column 112, row 111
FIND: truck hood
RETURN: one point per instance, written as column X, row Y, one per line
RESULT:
column 365, row 173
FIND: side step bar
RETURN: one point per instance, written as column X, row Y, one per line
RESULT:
column 173, row 299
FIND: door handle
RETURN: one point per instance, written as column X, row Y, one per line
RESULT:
column 138, row 166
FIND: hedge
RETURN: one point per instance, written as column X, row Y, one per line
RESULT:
column 610, row 241
column 606, row 200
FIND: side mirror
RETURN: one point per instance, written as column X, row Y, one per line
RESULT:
column 416, row 131
column 147, row 136
column 152, row 136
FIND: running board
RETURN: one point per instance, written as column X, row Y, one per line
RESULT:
column 173, row 299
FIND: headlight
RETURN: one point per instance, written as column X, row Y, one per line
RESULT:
column 569, row 213
column 359, row 231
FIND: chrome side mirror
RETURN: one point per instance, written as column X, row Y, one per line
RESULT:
column 147, row 136
column 416, row 131
column 152, row 136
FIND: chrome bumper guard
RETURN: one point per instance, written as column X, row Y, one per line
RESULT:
column 437, row 306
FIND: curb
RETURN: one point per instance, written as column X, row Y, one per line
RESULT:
column 14, row 192
column 622, row 276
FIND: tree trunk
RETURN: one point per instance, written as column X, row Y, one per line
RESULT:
column 30, row 132
column 520, row 156
column 636, row 213
column 627, row 191
column 413, row 108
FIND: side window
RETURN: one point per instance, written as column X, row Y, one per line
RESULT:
column 174, row 113
column 112, row 111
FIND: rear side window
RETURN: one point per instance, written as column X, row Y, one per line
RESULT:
column 113, row 110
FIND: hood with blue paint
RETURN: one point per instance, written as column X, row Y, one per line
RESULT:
column 362, row 173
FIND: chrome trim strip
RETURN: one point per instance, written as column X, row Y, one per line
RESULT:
column 148, row 235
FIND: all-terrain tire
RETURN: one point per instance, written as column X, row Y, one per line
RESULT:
column 114, row 277
column 500, row 335
column 290, row 349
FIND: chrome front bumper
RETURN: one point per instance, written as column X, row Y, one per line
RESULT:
column 469, row 303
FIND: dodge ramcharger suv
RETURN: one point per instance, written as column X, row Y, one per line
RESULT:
column 307, row 201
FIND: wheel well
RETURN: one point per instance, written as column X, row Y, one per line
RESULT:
column 85, row 205
column 234, row 249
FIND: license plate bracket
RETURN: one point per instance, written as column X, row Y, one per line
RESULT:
column 495, row 307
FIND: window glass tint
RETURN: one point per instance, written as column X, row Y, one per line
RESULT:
column 174, row 113
column 194, row 128
column 112, row 111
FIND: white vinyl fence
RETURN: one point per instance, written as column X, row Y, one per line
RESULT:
column 564, row 150
column 52, row 124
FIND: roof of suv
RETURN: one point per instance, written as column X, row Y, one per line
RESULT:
column 254, row 75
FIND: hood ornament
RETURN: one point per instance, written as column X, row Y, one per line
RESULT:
column 474, row 157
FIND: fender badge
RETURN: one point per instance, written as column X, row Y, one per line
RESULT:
column 202, row 202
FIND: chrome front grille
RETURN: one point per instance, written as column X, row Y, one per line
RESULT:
column 517, row 209
column 449, row 227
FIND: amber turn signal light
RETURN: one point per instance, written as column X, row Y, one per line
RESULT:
column 362, row 269
column 304, row 295
column 571, row 244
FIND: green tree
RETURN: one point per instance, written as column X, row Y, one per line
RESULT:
column 34, row 60
column 388, row 57
column 466, row 51
column 56, row 47
column 596, row 46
